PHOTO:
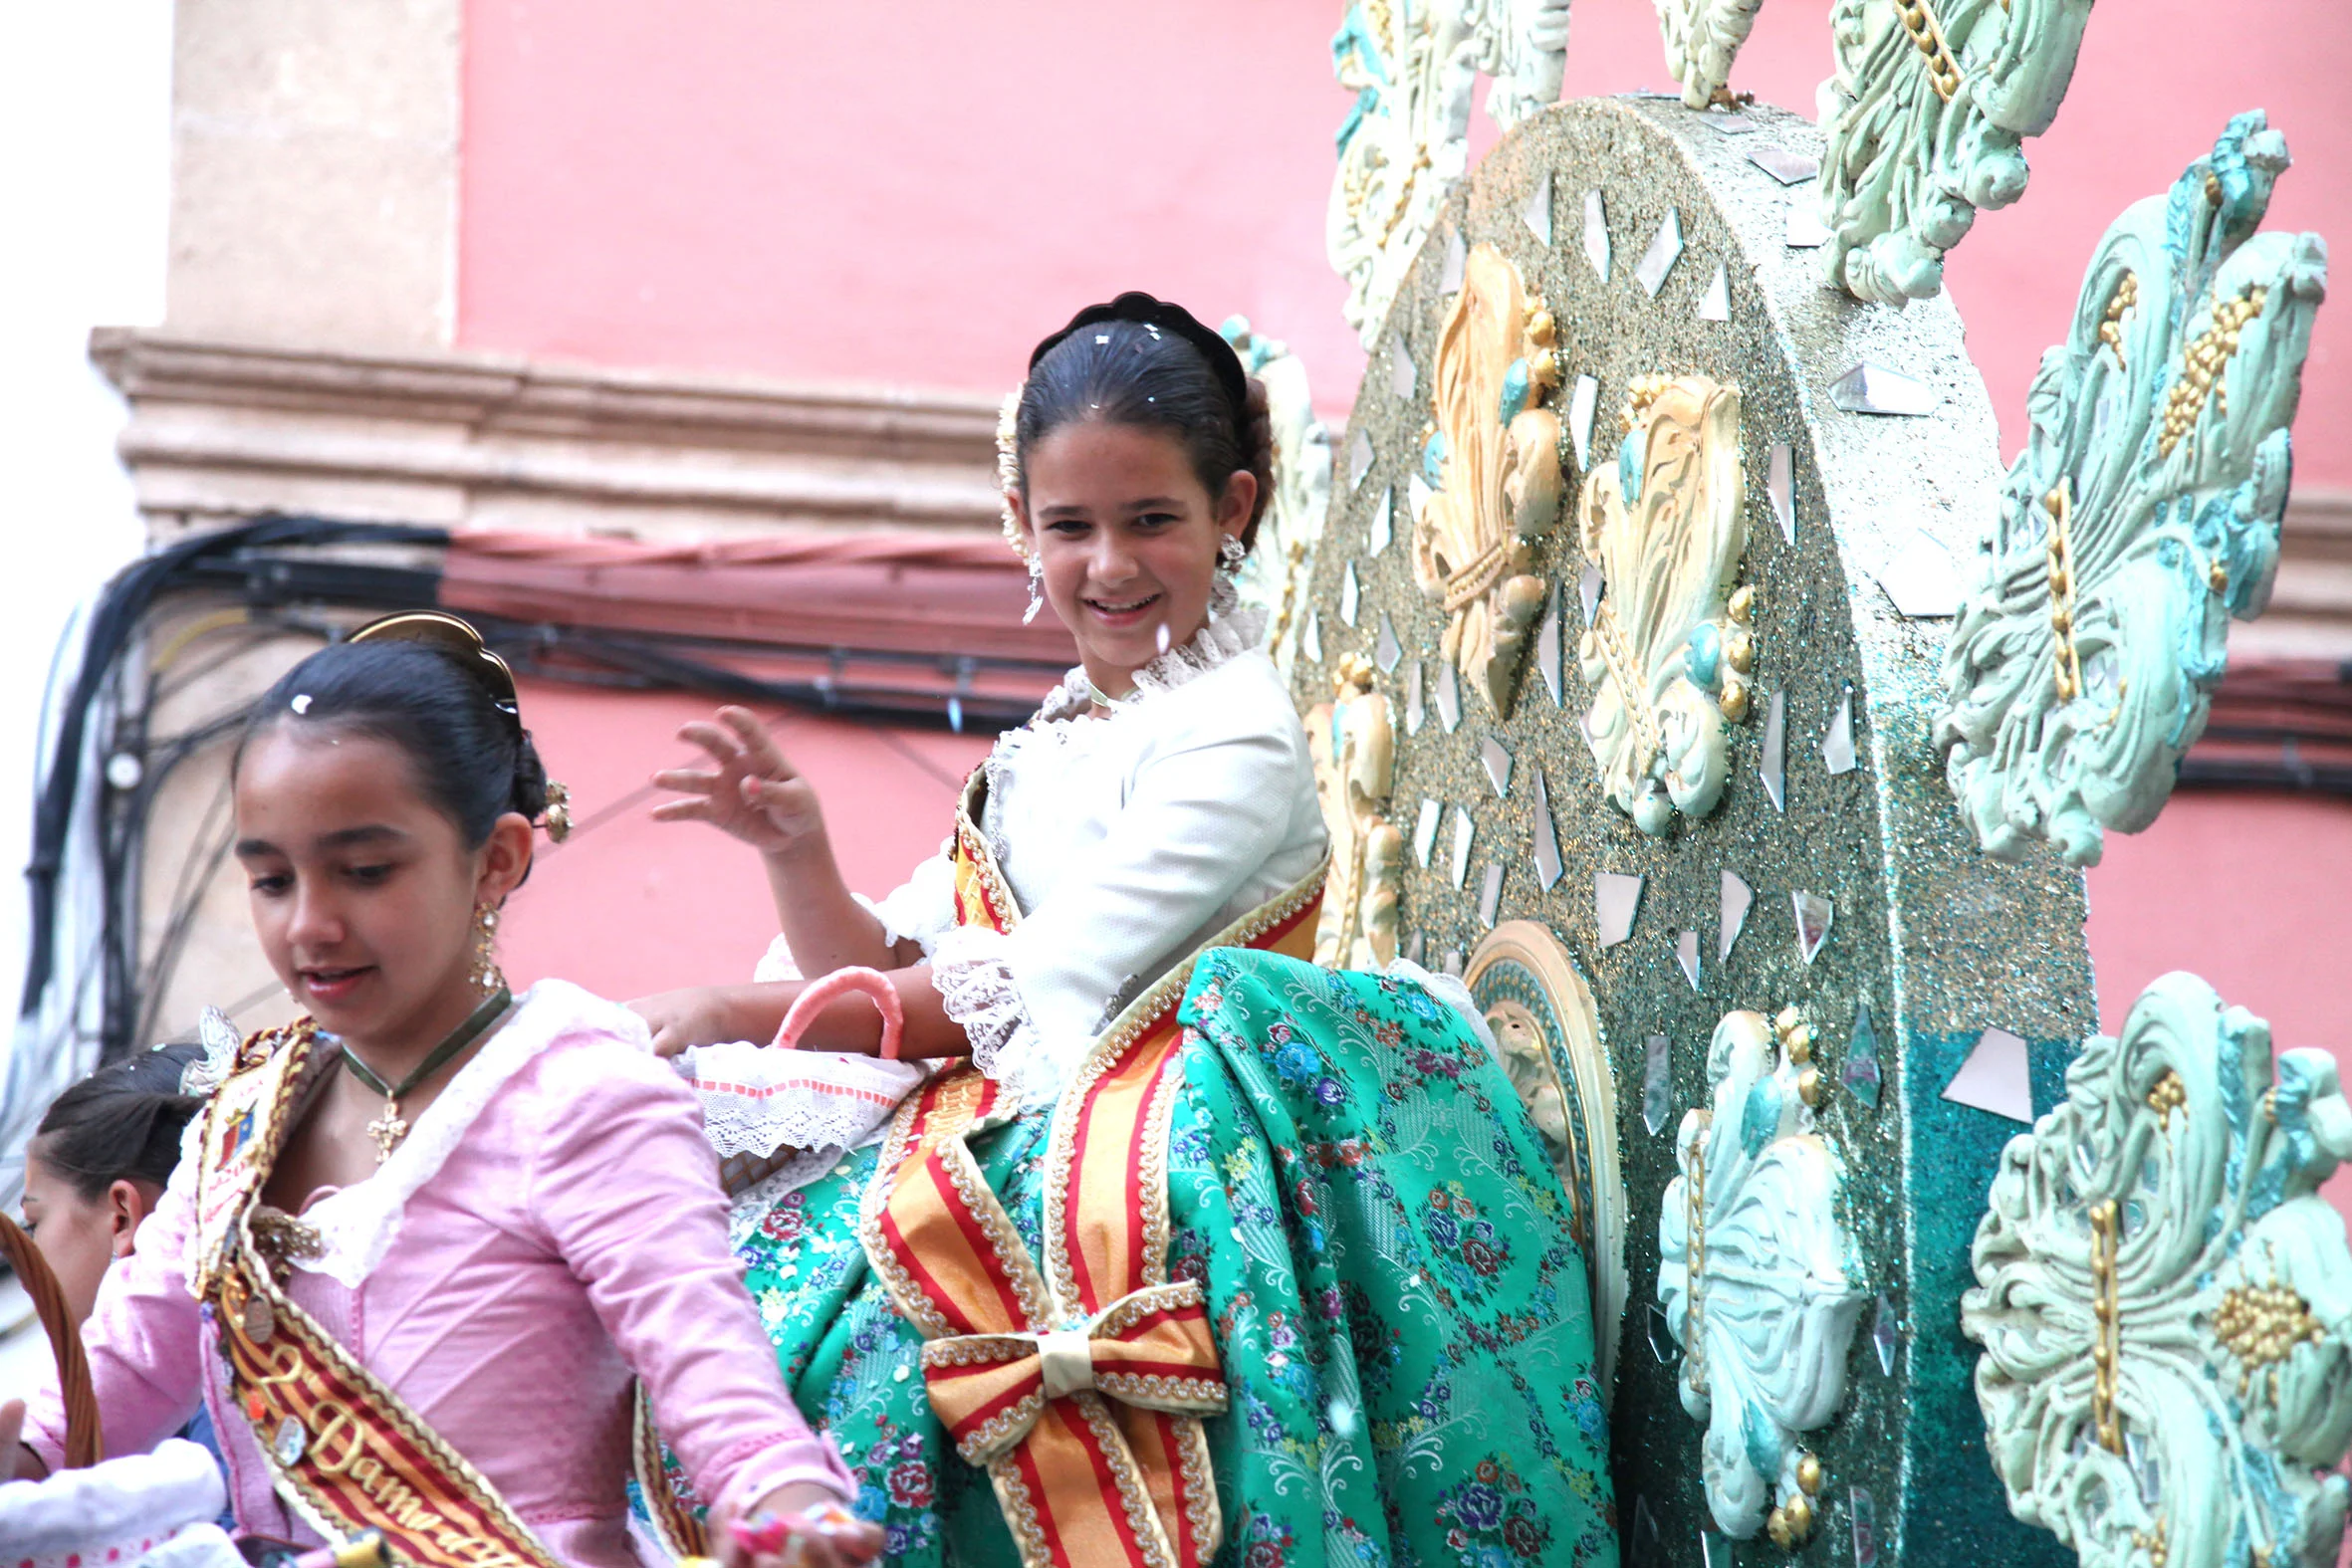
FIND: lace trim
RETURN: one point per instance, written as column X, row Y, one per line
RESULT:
column 1219, row 642
column 757, row 1100
column 357, row 1225
column 977, row 990
column 1448, row 990
column 777, row 963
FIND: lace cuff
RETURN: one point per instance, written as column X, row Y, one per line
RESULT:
column 977, row 990
column 777, row 963
column 757, row 1100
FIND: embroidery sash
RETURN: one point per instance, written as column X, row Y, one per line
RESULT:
column 344, row 1449
column 1079, row 1385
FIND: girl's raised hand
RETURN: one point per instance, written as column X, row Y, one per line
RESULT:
column 754, row 793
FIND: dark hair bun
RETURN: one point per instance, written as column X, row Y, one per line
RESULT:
column 1258, row 446
column 124, row 1122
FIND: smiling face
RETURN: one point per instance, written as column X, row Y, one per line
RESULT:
column 362, row 893
column 1128, row 539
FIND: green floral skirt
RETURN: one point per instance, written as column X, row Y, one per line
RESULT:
column 1402, row 1314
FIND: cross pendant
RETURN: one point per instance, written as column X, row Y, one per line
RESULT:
column 387, row 1130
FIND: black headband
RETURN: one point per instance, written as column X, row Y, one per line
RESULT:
column 1144, row 311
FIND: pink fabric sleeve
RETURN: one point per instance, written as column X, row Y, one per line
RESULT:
column 627, row 1192
column 144, row 1340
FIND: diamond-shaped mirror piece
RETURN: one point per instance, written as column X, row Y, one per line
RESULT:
column 1359, row 457
column 1730, row 124
column 1657, row 1084
column 1547, row 865
column 2140, row 1455
column 1616, row 898
column 1386, row 650
column 1837, row 747
column 1590, row 586
column 1596, row 235
column 1686, row 953
column 1885, row 1334
column 1497, row 761
column 1715, row 304
column 1813, row 915
column 1380, row 527
column 1452, row 963
column 1805, row 229
column 1464, row 831
column 1547, row 645
column 1780, row 484
column 1995, row 1077
column 1490, row 895
column 1425, row 831
column 1663, row 1344
column 1417, row 494
column 1921, row 580
column 1664, row 251
column 1874, row 390
column 1860, row 1074
column 1416, row 715
column 1582, row 404
column 1415, row 946
column 1457, row 258
column 1784, row 166
column 1737, row 896
column 1403, row 378
column 1449, row 696
column 1536, row 213
column 1864, row 1510
column 1310, row 641
column 1646, row 1549
column 1350, row 595
column 1773, row 766
column 1715, row 1549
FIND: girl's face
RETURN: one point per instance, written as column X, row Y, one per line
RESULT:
column 80, row 1237
column 1128, row 539
column 363, row 892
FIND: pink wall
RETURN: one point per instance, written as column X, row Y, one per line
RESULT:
column 914, row 192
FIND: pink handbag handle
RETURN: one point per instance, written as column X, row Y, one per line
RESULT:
column 872, row 984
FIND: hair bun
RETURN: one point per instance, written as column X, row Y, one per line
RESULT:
column 1257, row 444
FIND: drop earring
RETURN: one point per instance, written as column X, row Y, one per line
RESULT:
column 1230, row 555
column 1037, row 591
column 486, row 971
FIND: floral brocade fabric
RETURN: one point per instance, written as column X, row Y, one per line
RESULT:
column 1400, row 1310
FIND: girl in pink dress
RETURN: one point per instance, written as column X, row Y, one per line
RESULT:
column 429, row 1243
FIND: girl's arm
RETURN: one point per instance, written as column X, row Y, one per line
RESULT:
column 707, row 1014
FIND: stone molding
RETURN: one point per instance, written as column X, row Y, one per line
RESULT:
column 2310, row 613
column 222, row 429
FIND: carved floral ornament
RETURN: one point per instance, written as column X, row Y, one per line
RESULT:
column 2142, row 515
column 1924, row 121
column 1702, row 39
column 1276, row 575
column 2165, row 1301
column 1492, row 456
column 1758, row 1276
column 1354, row 742
column 1668, row 645
column 1412, row 65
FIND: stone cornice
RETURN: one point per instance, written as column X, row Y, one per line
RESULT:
column 222, row 429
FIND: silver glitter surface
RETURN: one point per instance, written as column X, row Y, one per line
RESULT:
column 1380, row 528
column 1874, row 390
column 1813, row 917
column 1784, row 166
column 1359, row 457
column 1415, row 713
column 1387, row 651
column 1449, row 696
column 1686, row 953
column 1596, row 235
column 1616, row 899
column 1403, row 378
column 1548, row 644
column 1350, row 595
column 1425, row 831
column 1737, row 897
column 1657, row 1084
column 1780, row 484
column 1837, row 747
column 1490, row 895
column 1921, row 580
column 1582, row 404
column 1773, row 767
column 1805, row 230
column 1715, row 304
column 1664, row 251
column 1536, row 213
column 1464, row 831
column 1995, row 1077
column 1497, row 761
column 1547, row 863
